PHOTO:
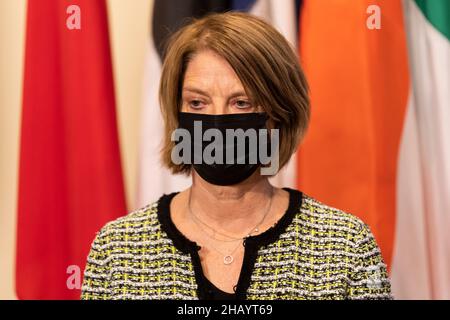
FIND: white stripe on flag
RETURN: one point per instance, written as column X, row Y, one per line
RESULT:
column 153, row 178
column 410, row 270
column 281, row 14
column 423, row 217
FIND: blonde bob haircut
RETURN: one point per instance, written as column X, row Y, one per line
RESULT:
column 262, row 58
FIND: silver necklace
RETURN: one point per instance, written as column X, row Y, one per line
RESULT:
column 227, row 258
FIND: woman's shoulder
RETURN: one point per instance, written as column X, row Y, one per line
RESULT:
column 336, row 240
column 137, row 221
column 320, row 219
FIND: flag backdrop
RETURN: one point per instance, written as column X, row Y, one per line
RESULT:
column 378, row 144
column 359, row 89
column 70, row 179
column 421, row 257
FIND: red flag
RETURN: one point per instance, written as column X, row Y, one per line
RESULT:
column 70, row 179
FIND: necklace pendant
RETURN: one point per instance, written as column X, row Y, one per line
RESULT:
column 228, row 259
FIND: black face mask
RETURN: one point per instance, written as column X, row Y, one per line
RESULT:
column 242, row 166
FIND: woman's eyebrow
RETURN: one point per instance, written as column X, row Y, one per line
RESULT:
column 237, row 94
column 199, row 91
column 195, row 90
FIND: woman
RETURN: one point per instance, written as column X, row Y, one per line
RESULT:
column 232, row 235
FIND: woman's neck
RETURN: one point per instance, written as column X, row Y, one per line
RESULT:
column 232, row 208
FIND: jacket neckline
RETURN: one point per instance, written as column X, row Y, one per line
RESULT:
column 252, row 243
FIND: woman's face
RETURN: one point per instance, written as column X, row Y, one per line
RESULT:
column 211, row 86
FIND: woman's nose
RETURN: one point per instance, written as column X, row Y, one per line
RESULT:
column 219, row 107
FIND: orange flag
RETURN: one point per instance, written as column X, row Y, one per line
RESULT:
column 359, row 84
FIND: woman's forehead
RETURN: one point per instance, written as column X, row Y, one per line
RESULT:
column 209, row 72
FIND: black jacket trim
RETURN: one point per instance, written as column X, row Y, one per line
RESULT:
column 252, row 243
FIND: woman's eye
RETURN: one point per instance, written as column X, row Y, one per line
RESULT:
column 196, row 104
column 242, row 104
